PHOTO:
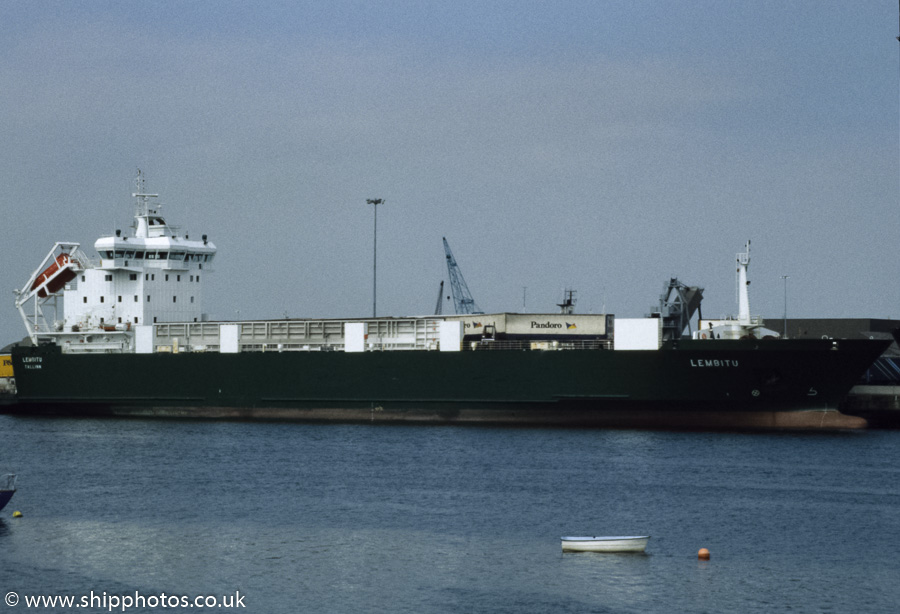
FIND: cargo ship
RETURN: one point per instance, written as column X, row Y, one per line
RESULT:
column 133, row 340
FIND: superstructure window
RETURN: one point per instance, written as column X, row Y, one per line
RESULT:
column 120, row 298
column 132, row 277
column 108, row 278
column 85, row 299
column 174, row 299
column 135, row 298
column 102, row 299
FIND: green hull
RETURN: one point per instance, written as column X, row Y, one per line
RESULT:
column 747, row 383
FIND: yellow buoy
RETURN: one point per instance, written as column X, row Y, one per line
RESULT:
column 703, row 554
column 17, row 514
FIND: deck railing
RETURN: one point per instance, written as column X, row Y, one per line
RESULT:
column 529, row 345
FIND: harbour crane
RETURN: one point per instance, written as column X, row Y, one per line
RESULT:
column 439, row 308
column 462, row 298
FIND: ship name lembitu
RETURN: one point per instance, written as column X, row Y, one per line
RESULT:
column 133, row 340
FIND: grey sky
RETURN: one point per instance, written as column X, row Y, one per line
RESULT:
column 599, row 146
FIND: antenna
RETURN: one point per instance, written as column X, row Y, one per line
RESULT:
column 142, row 208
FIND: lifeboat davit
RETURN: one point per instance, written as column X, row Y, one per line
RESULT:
column 56, row 276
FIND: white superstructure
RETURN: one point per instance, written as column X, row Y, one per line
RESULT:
column 153, row 276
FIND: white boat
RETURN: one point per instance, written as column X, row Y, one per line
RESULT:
column 623, row 543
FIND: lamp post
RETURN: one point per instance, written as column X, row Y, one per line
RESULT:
column 785, row 278
column 375, row 202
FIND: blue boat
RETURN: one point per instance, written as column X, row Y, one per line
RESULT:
column 7, row 489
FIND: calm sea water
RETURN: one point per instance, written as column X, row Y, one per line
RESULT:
column 347, row 518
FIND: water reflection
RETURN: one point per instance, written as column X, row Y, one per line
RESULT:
column 615, row 579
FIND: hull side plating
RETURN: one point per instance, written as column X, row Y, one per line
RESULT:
column 709, row 384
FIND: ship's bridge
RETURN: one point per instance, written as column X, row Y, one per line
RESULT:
column 169, row 252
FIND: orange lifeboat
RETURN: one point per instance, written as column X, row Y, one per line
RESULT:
column 55, row 276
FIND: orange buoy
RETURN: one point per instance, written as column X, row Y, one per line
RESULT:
column 703, row 554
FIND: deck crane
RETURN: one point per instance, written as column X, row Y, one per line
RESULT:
column 462, row 298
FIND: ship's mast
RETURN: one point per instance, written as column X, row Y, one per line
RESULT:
column 567, row 307
column 142, row 209
column 743, row 260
